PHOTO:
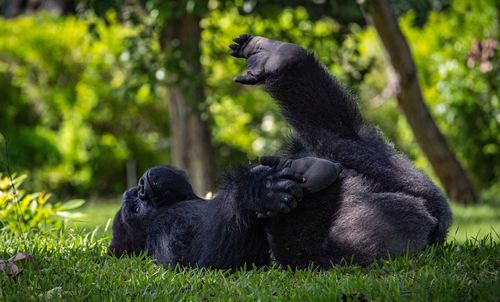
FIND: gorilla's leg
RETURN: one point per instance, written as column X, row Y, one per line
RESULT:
column 329, row 124
column 350, row 223
column 372, row 226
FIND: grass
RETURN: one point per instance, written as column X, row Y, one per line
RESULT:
column 475, row 221
column 96, row 214
column 72, row 265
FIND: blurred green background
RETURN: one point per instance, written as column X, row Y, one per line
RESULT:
column 86, row 86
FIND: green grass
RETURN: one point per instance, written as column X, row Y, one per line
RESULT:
column 95, row 214
column 72, row 265
column 474, row 222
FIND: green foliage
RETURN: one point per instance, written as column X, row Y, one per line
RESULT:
column 81, row 97
column 21, row 211
column 461, row 84
column 67, row 112
column 460, row 88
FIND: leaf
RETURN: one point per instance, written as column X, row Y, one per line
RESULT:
column 21, row 256
column 71, row 204
column 56, row 292
column 10, row 268
column 69, row 215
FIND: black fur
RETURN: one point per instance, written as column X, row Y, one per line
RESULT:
column 221, row 233
column 381, row 206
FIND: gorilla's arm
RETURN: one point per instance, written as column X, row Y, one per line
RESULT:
column 326, row 117
column 164, row 218
column 310, row 98
column 226, row 232
column 233, row 235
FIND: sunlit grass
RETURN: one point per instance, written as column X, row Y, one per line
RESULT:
column 96, row 214
column 475, row 222
column 73, row 265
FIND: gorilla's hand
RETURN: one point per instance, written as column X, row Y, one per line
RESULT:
column 316, row 173
column 276, row 191
column 265, row 57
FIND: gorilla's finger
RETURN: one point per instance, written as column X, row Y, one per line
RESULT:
column 296, row 191
column 285, row 200
column 236, row 53
column 291, row 174
column 248, row 79
column 289, row 187
column 271, row 161
column 242, row 38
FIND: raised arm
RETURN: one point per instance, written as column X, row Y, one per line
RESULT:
column 311, row 99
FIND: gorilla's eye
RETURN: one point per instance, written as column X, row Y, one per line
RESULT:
column 136, row 208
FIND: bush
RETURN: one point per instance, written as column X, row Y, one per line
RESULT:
column 70, row 115
column 21, row 211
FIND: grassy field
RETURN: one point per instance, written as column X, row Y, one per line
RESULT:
column 72, row 265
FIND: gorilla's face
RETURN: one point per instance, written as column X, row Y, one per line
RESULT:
column 157, row 188
column 134, row 210
column 130, row 224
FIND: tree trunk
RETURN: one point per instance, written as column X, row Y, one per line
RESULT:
column 190, row 136
column 409, row 95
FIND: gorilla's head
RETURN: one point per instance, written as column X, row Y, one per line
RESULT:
column 163, row 185
column 158, row 188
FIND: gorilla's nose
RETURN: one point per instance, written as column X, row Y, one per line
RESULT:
column 153, row 183
column 142, row 188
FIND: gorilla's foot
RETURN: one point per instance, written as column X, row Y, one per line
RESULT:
column 264, row 57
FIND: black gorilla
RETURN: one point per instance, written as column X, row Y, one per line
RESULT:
column 380, row 206
column 164, row 217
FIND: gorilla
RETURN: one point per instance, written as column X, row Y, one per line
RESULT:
column 379, row 206
column 163, row 217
